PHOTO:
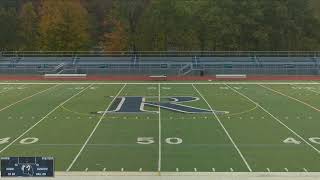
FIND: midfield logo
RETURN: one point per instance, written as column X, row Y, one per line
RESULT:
column 137, row 104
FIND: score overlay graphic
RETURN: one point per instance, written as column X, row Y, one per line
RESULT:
column 27, row 166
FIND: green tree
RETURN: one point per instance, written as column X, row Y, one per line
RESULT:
column 129, row 13
column 28, row 31
column 9, row 4
column 97, row 10
column 8, row 30
column 158, row 29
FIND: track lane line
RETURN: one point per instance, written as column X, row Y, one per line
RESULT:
column 61, row 104
column 225, row 130
column 295, row 99
column 278, row 120
column 28, row 97
column 94, row 129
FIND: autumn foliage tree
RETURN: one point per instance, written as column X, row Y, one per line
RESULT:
column 160, row 25
column 64, row 25
column 117, row 38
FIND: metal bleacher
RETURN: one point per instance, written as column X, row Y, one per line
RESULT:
column 169, row 63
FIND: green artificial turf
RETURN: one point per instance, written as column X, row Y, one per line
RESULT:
column 269, row 127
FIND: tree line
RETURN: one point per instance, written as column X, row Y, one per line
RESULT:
column 159, row 25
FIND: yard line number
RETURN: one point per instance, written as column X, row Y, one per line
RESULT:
column 150, row 140
column 291, row 140
column 28, row 140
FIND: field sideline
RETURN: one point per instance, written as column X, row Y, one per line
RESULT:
column 240, row 126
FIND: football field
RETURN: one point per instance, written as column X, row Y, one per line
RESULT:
column 164, row 127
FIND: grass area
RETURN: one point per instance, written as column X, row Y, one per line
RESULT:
column 247, row 127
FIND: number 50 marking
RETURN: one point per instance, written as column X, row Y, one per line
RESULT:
column 150, row 140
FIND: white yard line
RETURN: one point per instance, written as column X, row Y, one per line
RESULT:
column 159, row 99
column 61, row 104
column 94, row 129
column 164, row 83
column 290, row 97
column 278, row 120
column 225, row 130
column 28, row 97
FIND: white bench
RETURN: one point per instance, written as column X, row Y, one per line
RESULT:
column 231, row 76
column 158, row 77
column 65, row 75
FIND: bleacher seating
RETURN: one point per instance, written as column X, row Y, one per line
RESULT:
column 172, row 65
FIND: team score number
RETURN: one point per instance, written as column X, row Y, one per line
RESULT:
column 291, row 140
column 150, row 140
column 29, row 140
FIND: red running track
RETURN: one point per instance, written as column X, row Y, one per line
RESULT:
column 147, row 78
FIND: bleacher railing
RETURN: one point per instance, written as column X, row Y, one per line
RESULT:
column 160, row 54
